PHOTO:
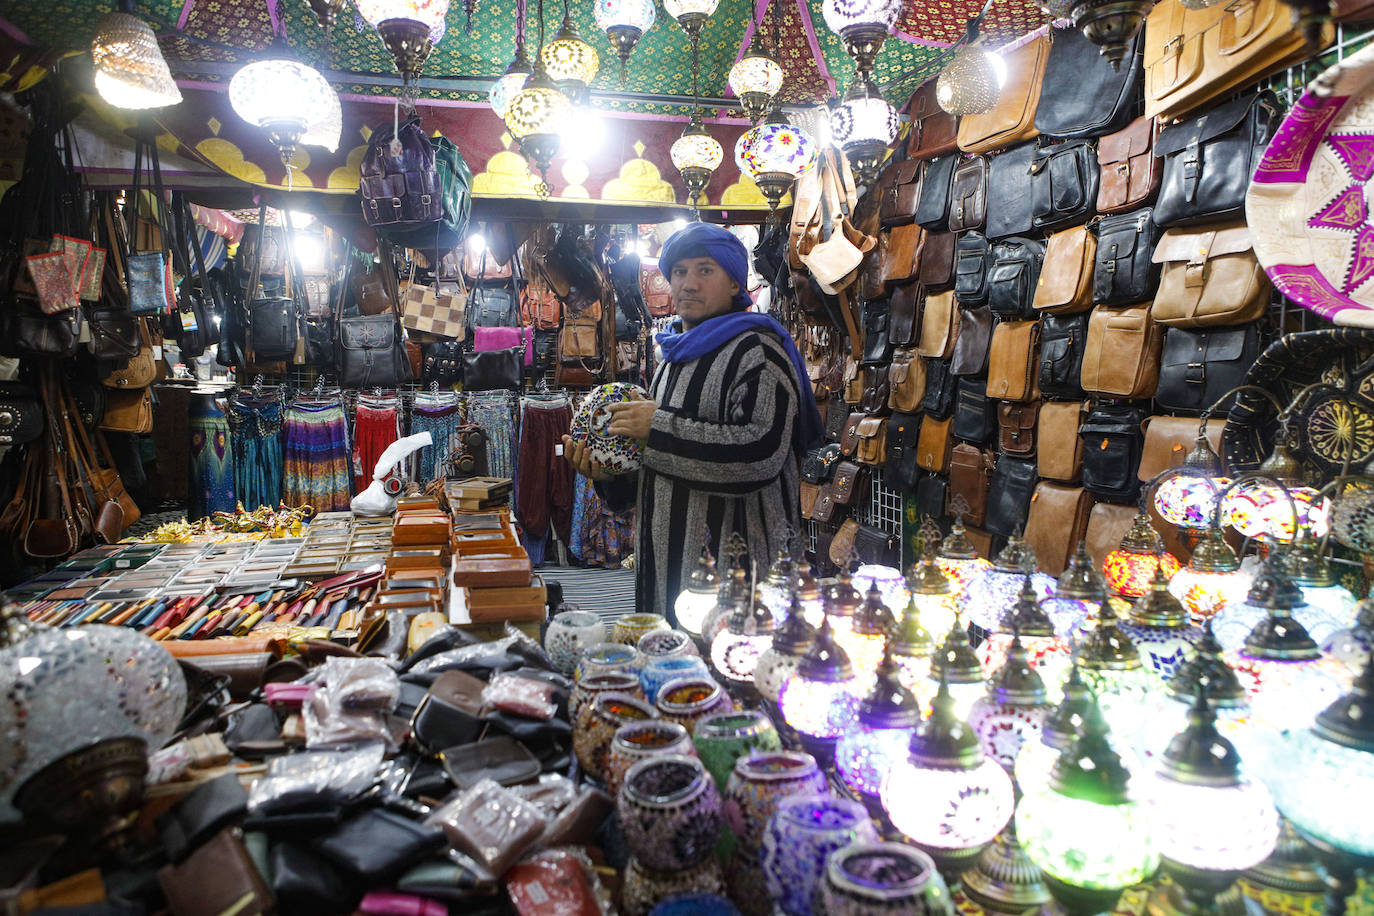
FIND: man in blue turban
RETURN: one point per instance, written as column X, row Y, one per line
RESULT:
column 729, row 417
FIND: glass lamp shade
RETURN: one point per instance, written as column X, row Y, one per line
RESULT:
column 1213, row 828
column 771, row 148
column 1333, row 600
column 69, row 689
column 1204, row 592
column 430, row 12
column 865, row 754
column 569, row 59
column 865, row 651
column 1234, row 723
column 1064, row 836
column 971, row 83
column 538, row 109
column 962, row 570
column 1069, row 615
column 948, row 808
column 1234, row 622
column 1316, row 791
column 841, row 15
column 1189, row 502
column 1259, row 510
column 1286, row 695
column 819, row 709
column 633, row 14
column 692, row 606
column 735, row 656
column 679, row 8
column 130, row 71
column 1004, row 730
column 890, row 581
column 696, row 151
column 774, row 668
column 504, row 89
column 1050, row 656
column 996, row 589
column 863, row 120
column 1127, row 696
column 1129, row 573
column 760, row 74
column 291, row 101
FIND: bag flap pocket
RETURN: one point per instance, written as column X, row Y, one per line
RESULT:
column 1117, row 242
column 1199, row 245
column 897, row 373
column 372, row 333
column 906, row 172
column 1126, row 144
column 1204, row 128
column 1129, row 321
column 969, row 263
column 1068, row 184
column 871, row 426
column 1225, row 346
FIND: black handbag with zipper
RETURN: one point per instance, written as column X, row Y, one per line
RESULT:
column 1124, row 272
column 932, row 207
column 1112, row 443
column 1063, row 339
column 1013, row 277
column 975, row 414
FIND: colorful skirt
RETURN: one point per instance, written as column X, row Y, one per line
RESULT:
column 257, row 451
column 211, row 485
column 315, row 456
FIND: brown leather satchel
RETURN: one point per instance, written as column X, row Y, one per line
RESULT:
column 1193, row 56
column 936, row 269
column 903, row 313
column 872, row 448
column 845, row 482
column 842, row 545
column 1209, row 277
column 1060, row 453
column 1016, row 427
column 877, row 390
column 906, row 381
column 970, row 475
column 853, row 382
column 934, row 131
column 1107, row 525
column 934, row 444
column 824, row 509
column 849, row 442
column 939, row 326
column 809, row 492
column 1058, row 520
column 903, row 250
column 141, row 370
column 128, row 411
column 1014, row 361
column 899, row 198
column 1130, row 169
column 968, row 195
column 1168, row 440
column 1012, row 118
column 1121, row 354
column 1066, row 277
column 872, row 284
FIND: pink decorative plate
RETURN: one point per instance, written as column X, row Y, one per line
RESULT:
column 591, row 420
column 1309, row 200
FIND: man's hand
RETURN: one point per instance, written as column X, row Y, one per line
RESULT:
column 632, row 418
column 575, row 453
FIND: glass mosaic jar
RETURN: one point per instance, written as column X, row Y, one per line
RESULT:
column 670, row 812
column 665, row 644
column 597, row 725
column 638, row 740
column 688, row 700
column 800, row 838
column 724, row 737
column 759, row 783
column 659, row 671
column 589, row 688
column 609, row 657
column 569, row 635
column 883, row 879
column 645, row 887
column 631, row 627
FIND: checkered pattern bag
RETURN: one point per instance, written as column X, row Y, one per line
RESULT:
column 424, row 308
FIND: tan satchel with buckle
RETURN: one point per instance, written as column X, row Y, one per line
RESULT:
column 1210, row 276
column 1012, row 118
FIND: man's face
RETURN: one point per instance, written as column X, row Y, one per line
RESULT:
column 701, row 289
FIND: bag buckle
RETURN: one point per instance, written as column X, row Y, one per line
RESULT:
column 1196, row 374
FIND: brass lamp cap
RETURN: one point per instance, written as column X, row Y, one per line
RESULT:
column 1204, row 458
column 1158, row 607
column 955, row 660
column 889, row 704
column 911, row 638
column 1017, row 556
column 1208, row 673
column 956, row 545
column 873, row 617
column 944, row 740
column 926, row 578
column 1279, row 637
column 1089, row 769
column 1107, row 647
column 843, row 599
column 1142, row 538
column 1350, row 720
column 1062, row 723
column 1213, row 554
column 1273, row 589
column 1025, row 615
column 1081, row 579
column 1199, row 755
column 1016, row 683
column 1306, row 564
column 795, row 635
column 825, row 661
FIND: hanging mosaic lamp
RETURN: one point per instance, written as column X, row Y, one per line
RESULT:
column 326, row 12
column 691, row 15
column 624, row 22
column 775, row 154
column 130, row 71
column 511, row 82
column 535, row 118
column 1212, row 577
column 972, row 81
column 409, row 29
column 293, row 103
column 863, row 126
column 1130, row 568
column 755, row 79
column 863, row 26
column 1110, row 24
column 570, row 61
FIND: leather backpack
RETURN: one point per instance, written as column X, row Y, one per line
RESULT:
column 1090, row 96
column 1060, row 452
column 1009, row 495
column 1013, row 277
column 1129, row 171
column 1012, row 118
column 936, row 270
column 1014, row 361
column 903, row 432
column 970, row 475
column 399, row 182
column 1063, row 340
column 1198, row 366
column 975, row 414
column 1113, row 438
column 1121, row 358
column 1209, row 276
column 1066, row 278
column 941, row 385
column 1064, row 181
column 968, row 195
column 970, row 355
column 1124, row 271
column 932, row 207
column 1010, row 176
column 1057, row 521
column 934, row 131
column 972, row 259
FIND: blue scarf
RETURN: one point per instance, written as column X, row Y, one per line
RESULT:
column 680, row 346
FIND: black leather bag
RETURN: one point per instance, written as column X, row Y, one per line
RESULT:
column 932, row 207
column 21, row 415
column 545, row 351
column 1062, row 341
column 371, row 353
column 938, row 401
column 900, row 471
column 975, row 414
column 1009, row 205
column 114, row 333
column 201, row 814
column 972, row 259
column 1012, row 278
column 836, row 419
column 932, row 493
column 26, row 331
column 1009, row 495
column 490, row 370
column 273, row 327
column 1064, row 180
column 970, row 356
column 1124, row 272
column 818, row 465
column 1208, row 160
column 319, row 341
column 876, row 546
column 443, row 362
column 377, row 843
column 1199, row 366
column 491, row 307
column 1090, row 96
column 877, row 348
column 400, row 191
column 1112, row 443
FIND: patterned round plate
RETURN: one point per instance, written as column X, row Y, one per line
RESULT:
column 618, row 454
column 1310, row 193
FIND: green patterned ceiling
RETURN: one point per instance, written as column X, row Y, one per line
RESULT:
column 204, row 38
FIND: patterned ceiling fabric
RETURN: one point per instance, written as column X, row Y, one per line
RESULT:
column 942, row 22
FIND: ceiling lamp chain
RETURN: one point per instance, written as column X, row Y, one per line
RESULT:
column 696, row 154
column 517, row 71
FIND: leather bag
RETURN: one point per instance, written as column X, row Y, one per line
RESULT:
column 1198, row 366
column 901, row 471
column 972, row 261
column 1057, row 521
column 932, row 494
column 21, row 415
column 934, row 444
column 941, row 385
column 1129, row 170
column 1063, row 340
column 877, row 348
column 490, row 370
column 849, row 441
column 1123, row 270
column 898, row 205
column 1090, row 96
column 968, row 195
column 128, row 411
column 809, row 492
column 934, row 131
column 371, row 352
column 429, row 311
column 1112, row 444
column 904, row 310
column 1168, row 440
column 114, row 333
column 939, row 326
column 579, row 342
column 1011, row 192
column 970, row 476
column 872, row 447
column 970, row 357
column 1107, row 525
column 932, row 207
column 442, row 363
column 1209, row 276
column 848, row 482
column 903, row 252
column 399, row 182
column 1013, row 277
column 218, row 877
column 1209, row 159
column 975, row 414
column 842, row 545
column 1014, row 361
column 26, row 331
column 491, row 307
column 1060, row 452
column 906, row 380
column 140, row 370
column 1066, row 276
column 818, row 465
column 1064, row 183
column 1012, row 118
column 1016, row 428
column 1121, row 358
column 877, row 391
column 936, row 270
column 1009, row 495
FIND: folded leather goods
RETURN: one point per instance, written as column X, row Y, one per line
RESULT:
column 377, row 843
column 219, row 877
column 209, row 808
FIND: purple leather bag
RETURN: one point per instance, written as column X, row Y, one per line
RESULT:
column 504, row 339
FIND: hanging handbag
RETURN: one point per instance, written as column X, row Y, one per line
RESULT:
column 818, row 464
column 1121, row 356
column 832, row 248
column 872, row 445
column 932, row 495
column 484, row 339
column 1016, row 428
column 1129, row 170
column 932, row 207
column 1063, row 339
column 1060, row 452
column 903, row 433
column 898, row 207
column 1064, row 182
column 128, row 411
column 579, row 342
column 877, row 391
column 273, row 328
column 1091, row 95
column 877, row 348
column 1066, row 276
column 114, row 333
column 442, row 363
column 429, row 311
column 975, row 414
column 52, row 282
column 1014, row 361
column 1009, row 495
column 21, row 415
column 139, row 371
column 1209, row 276
column 1169, row 440
column 1013, row 276
column 934, row 444
column 541, row 310
column 903, row 253
column 936, row 270
column 1112, row 443
column 970, row 357
column 1124, row 272
column 1011, row 192
column 941, row 385
column 1198, row 366
column 1057, row 520
column 904, row 310
column 849, row 441
column 906, row 381
column 968, row 191
column 934, row 131
column 1011, row 119
column 972, row 261
column 115, row 509
column 148, row 274
column 970, row 475
column 492, row 369
column 28, row 332
column 939, row 326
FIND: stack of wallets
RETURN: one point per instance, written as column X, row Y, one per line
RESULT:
column 494, row 605
column 487, row 552
column 420, row 536
column 476, row 494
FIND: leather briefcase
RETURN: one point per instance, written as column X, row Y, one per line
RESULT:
column 1089, row 95
column 1014, row 361
column 1198, row 366
column 1016, row 428
column 1121, row 359
column 936, row 270
column 968, row 191
column 903, row 250
column 900, row 197
column 970, row 475
column 1112, row 445
column 1064, row 181
column 970, row 355
column 872, row 449
column 1011, row 192
column 1107, row 525
column 904, row 310
column 972, row 260
column 975, row 414
column 906, row 380
column 1066, row 277
column 1058, row 520
column 932, row 207
column 1013, row 277
column 934, row 444
column 934, row 131
column 1209, row 276
column 1124, row 271
column 1009, row 495
column 1060, row 453
column 1168, row 440
column 1129, row 170
column 1012, row 118
column 1063, row 339
column 903, row 434
column 1208, row 160
column 939, row 326
column 941, row 385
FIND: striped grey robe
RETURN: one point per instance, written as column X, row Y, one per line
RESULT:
column 724, row 454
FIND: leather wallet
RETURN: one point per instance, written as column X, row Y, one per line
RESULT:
column 209, row 808
column 451, row 712
column 376, row 843
column 219, row 877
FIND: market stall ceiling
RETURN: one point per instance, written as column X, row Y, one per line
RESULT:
column 204, row 40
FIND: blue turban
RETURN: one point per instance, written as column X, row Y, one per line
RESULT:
column 706, row 240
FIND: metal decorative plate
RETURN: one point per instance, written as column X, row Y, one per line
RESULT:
column 1310, row 195
column 1334, row 419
